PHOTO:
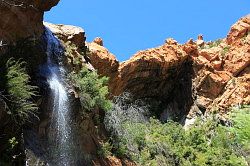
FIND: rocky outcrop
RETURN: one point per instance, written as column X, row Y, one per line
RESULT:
column 22, row 19
column 155, row 72
column 182, row 78
column 161, row 74
column 102, row 59
column 145, row 74
column 222, row 70
column 73, row 39
column 239, row 30
column 68, row 33
column 111, row 160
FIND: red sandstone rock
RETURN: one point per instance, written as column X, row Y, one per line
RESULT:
column 200, row 37
column 74, row 34
column 171, row 41
column 190, row 48
column 217, row 65
column 239, row 29
column 200, row 41
column 146, row 73
column 210, row 54
column 237, row 91
column 237, row 59
column 22, row 19
column 212, row 84
column 102, row 60
column 98, row 41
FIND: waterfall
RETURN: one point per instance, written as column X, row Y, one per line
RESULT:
column 60, row 130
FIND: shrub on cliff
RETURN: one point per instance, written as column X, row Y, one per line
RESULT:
column 16, row 95
column 150, row 142
column 204, row 144
column 19, row 93
column 241, row 127
column 92, row 89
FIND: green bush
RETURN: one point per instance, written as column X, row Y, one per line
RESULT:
column 241, row 128
column 105, row 150
column 216, row 43
column 225, row 50
column 204, row 144
column 19, row 92
column 150, row 142
column 92, row 89
column 241, row 123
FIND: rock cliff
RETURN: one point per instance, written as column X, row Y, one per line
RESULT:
column 219, row 71
column 22, row 19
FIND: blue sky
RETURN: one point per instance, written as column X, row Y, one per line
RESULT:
column 132, row 25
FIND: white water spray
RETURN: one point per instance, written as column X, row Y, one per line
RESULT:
column 60, row 127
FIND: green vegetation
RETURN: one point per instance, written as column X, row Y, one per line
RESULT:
column 211, row 44
column 241, row 127
column 16, row 95
column 19, row 92
column 10, row 153
column 105, row 150
column 216, row 43
column 225, row 50
column 206, row 143
column 13, row 142
column 71, row 52
column 92, row 89
column 245, row 38
column 147, row 141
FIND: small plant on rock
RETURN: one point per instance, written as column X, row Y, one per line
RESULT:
column 105, row 150
column 216, row 43
column 92, row 89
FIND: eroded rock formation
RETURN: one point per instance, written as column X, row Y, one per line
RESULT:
column 220, row 69
column 22, row 19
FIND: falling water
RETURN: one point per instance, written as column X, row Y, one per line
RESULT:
column 60, row 130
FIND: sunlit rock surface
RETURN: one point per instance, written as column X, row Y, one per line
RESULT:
column 215, row 65
column 22, row 19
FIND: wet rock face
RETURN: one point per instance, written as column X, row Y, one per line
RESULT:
column 22, row 19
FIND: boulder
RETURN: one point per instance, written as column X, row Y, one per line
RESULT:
column 75, row 35
column 98, row 41
column 102, row 60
